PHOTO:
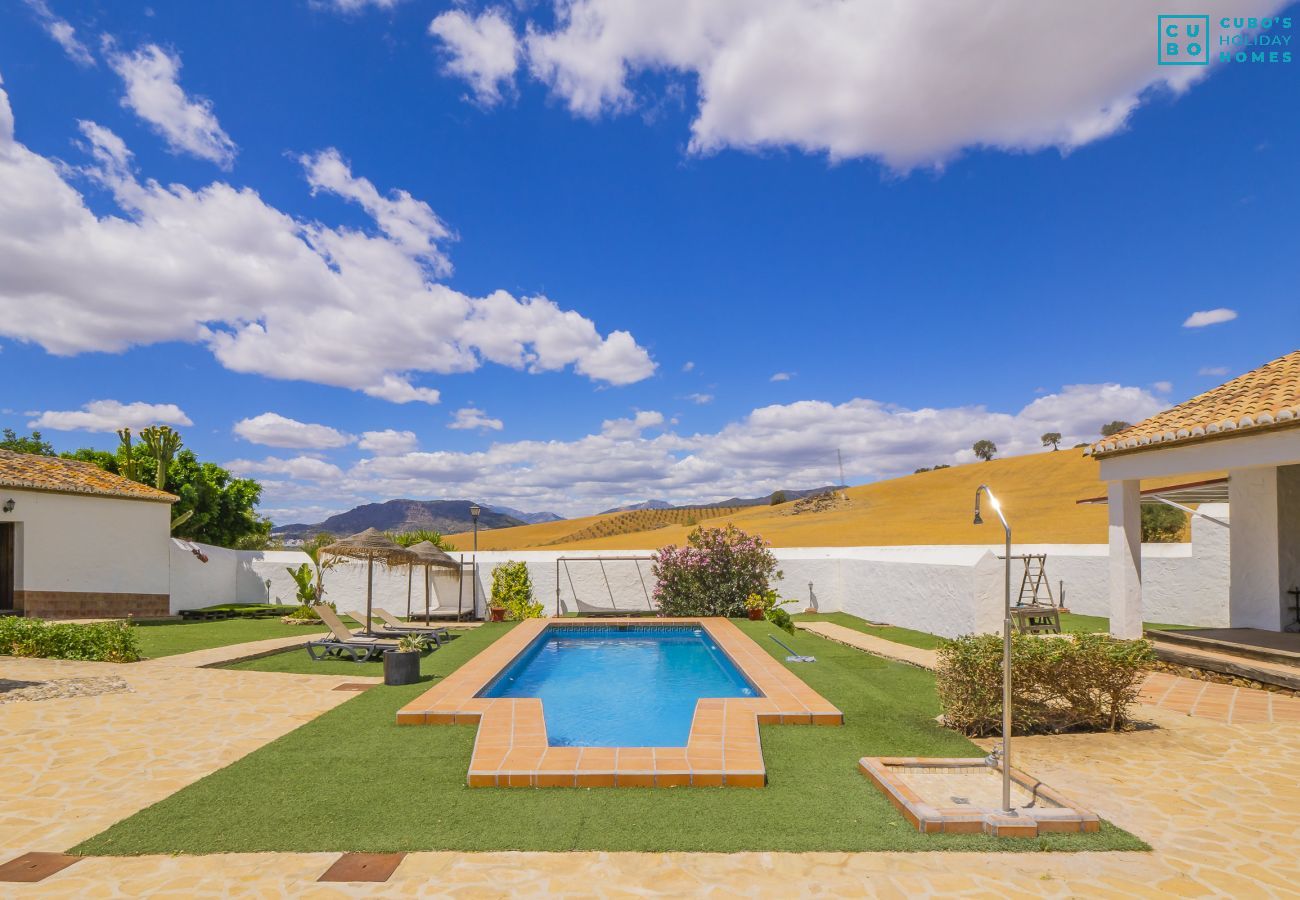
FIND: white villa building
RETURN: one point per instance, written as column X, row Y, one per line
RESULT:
column 1249, row 427
column 79, row 542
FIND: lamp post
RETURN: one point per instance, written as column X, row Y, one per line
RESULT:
column 474, row 511
column 1006, row 648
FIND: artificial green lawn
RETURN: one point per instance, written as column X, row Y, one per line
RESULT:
column 1071, row 623
column 911, row 638
column 169, row 638
column 1074, row 623
column 301, row 792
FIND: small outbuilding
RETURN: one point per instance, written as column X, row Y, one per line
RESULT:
column 1250, row 427
column 79, row 542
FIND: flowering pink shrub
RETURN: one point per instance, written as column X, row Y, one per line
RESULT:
column 713, row 573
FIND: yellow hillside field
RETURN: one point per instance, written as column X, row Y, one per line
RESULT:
column 1038, row 493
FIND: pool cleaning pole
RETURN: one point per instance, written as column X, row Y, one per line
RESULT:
column 1006, row 647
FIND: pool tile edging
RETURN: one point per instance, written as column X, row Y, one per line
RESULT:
column 724, row 749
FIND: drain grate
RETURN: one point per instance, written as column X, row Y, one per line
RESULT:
column 363, row 867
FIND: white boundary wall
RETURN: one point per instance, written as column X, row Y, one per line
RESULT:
column 231, row 576
column 946, row 590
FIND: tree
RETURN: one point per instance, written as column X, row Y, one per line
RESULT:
column 1111, row 428
column 778, row 497
column 32, row 443
column 1162, row 524
column 222, row 508
column 985, row 449
column 1052, row 439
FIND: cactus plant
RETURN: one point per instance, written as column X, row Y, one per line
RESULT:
column 126, row 452
column 162, row 444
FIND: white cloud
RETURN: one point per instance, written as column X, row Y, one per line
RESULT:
column 699, row 398
column 305, row 468
column 409, row 223
column 62, row 32
column 910, row 83
column 388, row 442
column 110, row 415
column 778, row 446
column 483, row 50
column 274, row 430
column 265, row 292
column 470, row 418
column 631, row 428
column 1210, row 317
column 355, row 6
column 1162, row 387
column 188, row 124
column 688, row 366
column 782, row 376
column 1217, row 371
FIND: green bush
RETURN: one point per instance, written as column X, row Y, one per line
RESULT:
column 781, row 619
column 96, row 642
column 1086, row 682
column 513, row 590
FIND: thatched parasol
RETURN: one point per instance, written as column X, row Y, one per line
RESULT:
column 428, row 554
column 369, row 545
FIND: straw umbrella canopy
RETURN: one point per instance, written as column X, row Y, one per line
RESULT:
column 369, row 545
column 429, row 555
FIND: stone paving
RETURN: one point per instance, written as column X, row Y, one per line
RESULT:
column 1218, row 801
column 75, row 765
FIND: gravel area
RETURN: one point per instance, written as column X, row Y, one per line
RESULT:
column 12, row 691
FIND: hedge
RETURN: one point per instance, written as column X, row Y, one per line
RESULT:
column 96, row 642
column 1086, row 682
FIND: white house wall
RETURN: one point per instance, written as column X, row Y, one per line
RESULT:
column 85, row 555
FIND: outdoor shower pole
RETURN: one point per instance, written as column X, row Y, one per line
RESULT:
column 1006, row 646
column 474, row 511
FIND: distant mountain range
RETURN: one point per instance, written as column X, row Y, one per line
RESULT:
column 446, row 516
column 531, row 518
column 734, row 501
column 452, row 516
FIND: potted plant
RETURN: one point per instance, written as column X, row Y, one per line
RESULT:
column 756, row 606
column 402, row 666
column 496, row 612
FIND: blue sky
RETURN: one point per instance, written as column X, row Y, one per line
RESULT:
column 955, row 234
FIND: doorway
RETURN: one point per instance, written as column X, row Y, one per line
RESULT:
column 8, row 565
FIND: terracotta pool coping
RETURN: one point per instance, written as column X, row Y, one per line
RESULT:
column 723, row 749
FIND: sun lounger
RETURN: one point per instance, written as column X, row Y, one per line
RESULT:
column 341, row 642
column 392, row 624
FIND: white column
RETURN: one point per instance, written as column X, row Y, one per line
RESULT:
column 1125, row 508
column 1254, row 597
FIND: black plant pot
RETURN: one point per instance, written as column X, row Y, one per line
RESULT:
column 401, row 667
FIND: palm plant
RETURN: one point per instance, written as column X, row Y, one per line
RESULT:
column 411, row 538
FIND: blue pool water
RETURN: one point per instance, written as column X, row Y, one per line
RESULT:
column 620, row 687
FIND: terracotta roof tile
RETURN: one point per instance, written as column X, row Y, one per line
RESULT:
column 1267, row 397
column 70, row 476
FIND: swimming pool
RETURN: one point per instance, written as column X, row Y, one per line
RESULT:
column 620, row 686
